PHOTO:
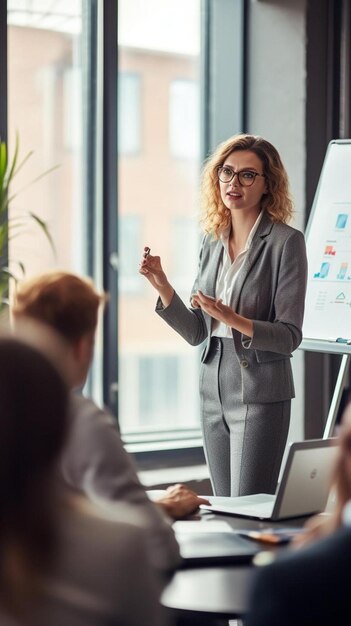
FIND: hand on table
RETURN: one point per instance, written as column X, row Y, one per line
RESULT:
column 180, row 501
column 315, row 528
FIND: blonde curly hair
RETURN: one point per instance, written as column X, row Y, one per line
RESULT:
column 277, row 202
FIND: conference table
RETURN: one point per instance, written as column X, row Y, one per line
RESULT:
column 213, row 594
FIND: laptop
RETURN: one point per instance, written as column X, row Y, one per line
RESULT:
column 303, row 489
column 202, row 543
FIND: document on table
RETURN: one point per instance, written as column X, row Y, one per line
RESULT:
column 196, row 526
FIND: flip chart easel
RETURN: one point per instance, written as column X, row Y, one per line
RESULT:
column 327, row 323
column 315, row 346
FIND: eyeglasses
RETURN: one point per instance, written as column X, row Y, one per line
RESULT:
column 246, row 178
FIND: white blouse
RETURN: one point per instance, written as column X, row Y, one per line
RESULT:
column 228, row 273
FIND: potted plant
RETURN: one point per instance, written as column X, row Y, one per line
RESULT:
column 14, row 269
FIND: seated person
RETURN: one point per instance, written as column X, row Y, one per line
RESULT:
column 63, row 561
column 94, row 461
column 311, row 585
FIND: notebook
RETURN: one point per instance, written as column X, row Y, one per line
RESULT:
column 303, row 489
column 210, row 544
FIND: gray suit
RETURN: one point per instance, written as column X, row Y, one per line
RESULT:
column 270, row 290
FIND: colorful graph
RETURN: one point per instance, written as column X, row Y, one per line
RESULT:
column 342, row 271
column 323, row 272
column 341, row 220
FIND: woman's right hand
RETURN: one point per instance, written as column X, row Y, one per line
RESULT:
column 151, row 268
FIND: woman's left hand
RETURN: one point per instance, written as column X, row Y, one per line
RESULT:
column 222, row 313
column 215, row 308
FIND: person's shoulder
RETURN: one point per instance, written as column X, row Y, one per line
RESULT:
column 106, row 526
column 287, row 230
column 104, row 516
column 111, row 547
column 208, row 245
column 285, row 234
column 208, row 240
column 85, row 409
column 91, row 425
column 82, row 403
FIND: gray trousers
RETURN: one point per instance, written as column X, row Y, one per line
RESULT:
column 243, row 443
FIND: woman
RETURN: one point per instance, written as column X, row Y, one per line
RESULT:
column 248, row 303
column 62, row 561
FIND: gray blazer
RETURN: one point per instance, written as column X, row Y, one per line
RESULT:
column 270, row 290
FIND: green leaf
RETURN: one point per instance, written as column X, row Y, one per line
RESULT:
column 19, row 222
column 4, row 285
column 3, row 163
column 14, row 161
column 5, row 274
column 3, row 168
column 3, row 236
column 43, row 225
column 35, row 180
column 21, row 266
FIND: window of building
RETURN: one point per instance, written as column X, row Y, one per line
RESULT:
column 158, row 371
column 72, row 108
column 185, row 239
column 129, row 109
column 160, row 399
column 45, row 108
column 130, row 243
column 184, row 130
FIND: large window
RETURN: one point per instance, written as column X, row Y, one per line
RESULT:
column 45, row 109
column 159, row 166
column 69, row 102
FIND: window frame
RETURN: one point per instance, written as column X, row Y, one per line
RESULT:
column 109, row 177
column 3, row 73
column 3, row 84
